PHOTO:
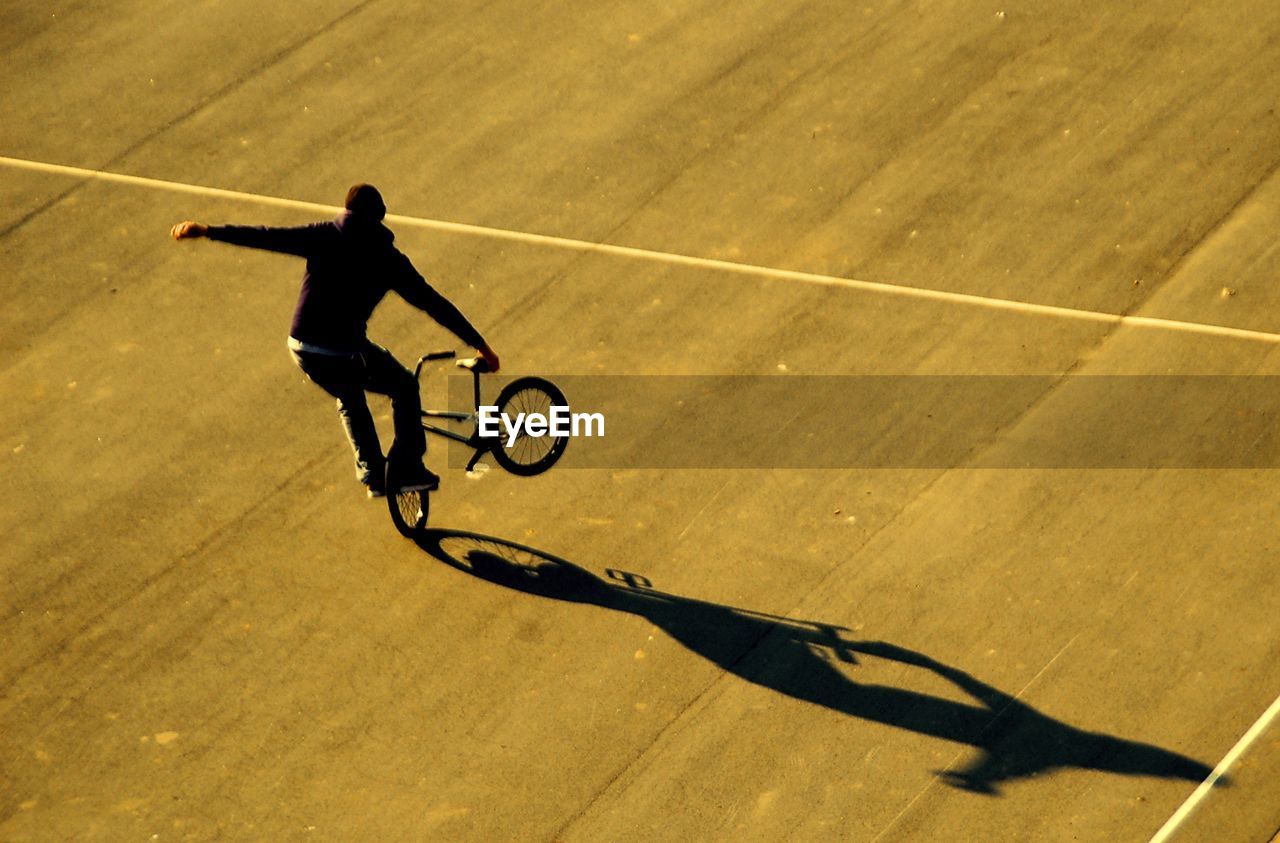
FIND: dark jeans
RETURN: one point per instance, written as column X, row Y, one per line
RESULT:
column 347, row 378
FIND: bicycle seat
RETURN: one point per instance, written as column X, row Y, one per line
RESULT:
column 475, row 364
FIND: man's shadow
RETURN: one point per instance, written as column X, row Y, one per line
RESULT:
column 795, row 658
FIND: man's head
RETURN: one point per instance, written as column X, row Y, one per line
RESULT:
column 364, row 201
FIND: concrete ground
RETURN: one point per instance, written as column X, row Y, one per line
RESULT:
column 209, row 633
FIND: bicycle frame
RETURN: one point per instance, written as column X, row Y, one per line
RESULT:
column 474, row 440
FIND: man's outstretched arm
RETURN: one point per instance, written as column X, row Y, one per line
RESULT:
column 414, row 289
column 300, row 240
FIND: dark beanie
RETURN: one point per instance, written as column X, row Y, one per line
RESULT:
column 364, row 200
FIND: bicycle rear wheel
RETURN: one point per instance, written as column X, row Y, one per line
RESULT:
column 529, row 455
column 408, row 509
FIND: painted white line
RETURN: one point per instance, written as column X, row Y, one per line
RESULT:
column 666, row 257
column 162, row 184
column 1180, row 816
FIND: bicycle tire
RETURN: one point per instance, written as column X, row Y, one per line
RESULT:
column 529, row 455
column 408, row 509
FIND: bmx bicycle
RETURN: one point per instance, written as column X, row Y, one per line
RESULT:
column 523, row 455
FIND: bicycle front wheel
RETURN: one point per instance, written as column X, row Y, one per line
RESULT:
column 529, row 455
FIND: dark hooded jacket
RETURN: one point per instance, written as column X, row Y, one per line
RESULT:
column 352, row 263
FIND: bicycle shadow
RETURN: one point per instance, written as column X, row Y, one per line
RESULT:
column 794, row 657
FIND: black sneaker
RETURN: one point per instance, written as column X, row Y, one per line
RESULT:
column 374, row 478
column 419, row 479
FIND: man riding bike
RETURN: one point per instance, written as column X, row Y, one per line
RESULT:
column 351, row 265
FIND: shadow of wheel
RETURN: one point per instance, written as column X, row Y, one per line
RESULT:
column 509, row 564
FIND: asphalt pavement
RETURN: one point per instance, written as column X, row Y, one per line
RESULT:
column 210, row 633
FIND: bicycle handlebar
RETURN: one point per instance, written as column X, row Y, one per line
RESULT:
column 435, row 355
column 476, row 365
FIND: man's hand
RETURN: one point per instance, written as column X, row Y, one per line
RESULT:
column 188, row 230
column 490, row 357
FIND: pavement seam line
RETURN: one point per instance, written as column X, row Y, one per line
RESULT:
column 1188, row 807
column 204, row 102
column 713, row 689
column 960, row 753
column 215, row 535
column 613, row 250
column 697, row 703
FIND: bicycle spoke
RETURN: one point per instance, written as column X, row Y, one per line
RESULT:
column 525, row 454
